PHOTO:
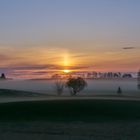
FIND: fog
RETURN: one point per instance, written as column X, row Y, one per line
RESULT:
column 95, row 87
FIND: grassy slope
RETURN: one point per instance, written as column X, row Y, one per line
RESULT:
column 15, row 93
column 71, row 110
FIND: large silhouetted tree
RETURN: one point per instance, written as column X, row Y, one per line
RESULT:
column 76, row 85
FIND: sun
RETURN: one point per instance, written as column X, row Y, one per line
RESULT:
column 66, row 71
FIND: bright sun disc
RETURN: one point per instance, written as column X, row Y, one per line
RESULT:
column 66, row 71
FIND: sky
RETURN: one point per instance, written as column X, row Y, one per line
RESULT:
column 37, row 36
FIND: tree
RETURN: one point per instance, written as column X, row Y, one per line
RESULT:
column 3, row 76
column 76, row 85
column 139, row 79
column 59, row 86
column 119, row 91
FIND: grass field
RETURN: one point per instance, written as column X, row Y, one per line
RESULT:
column 71, row 110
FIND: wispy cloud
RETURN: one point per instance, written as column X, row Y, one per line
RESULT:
column 42, row 68
column 38, row 60
column 36, row 71
column 128, row 48
column 4, row 57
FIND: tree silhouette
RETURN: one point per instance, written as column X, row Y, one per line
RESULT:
column 3, row 76
column 76, row 85
column 59, row 86
column 119, row 91
column 139, row 79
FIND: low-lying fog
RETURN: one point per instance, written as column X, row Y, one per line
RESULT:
column 95, row 87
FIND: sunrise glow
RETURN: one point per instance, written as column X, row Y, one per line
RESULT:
column 66, row 71
column 92, row 35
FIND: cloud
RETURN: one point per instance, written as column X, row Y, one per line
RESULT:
column 4, row 57
column 37, row 68
column 81, row 56
column 128, row 48
column 36, row 71
column 52, row 67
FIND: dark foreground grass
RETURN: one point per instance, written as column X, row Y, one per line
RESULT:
column 16, row 93
column 71, row 110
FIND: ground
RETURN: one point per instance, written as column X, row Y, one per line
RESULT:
column 69, row 131
column 81, row 119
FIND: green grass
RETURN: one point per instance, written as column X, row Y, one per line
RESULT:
column 71, row 110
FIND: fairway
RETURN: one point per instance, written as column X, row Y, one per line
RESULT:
column 71, row 110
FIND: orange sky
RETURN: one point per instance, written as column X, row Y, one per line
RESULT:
column 58, row 57
column 37, row 36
